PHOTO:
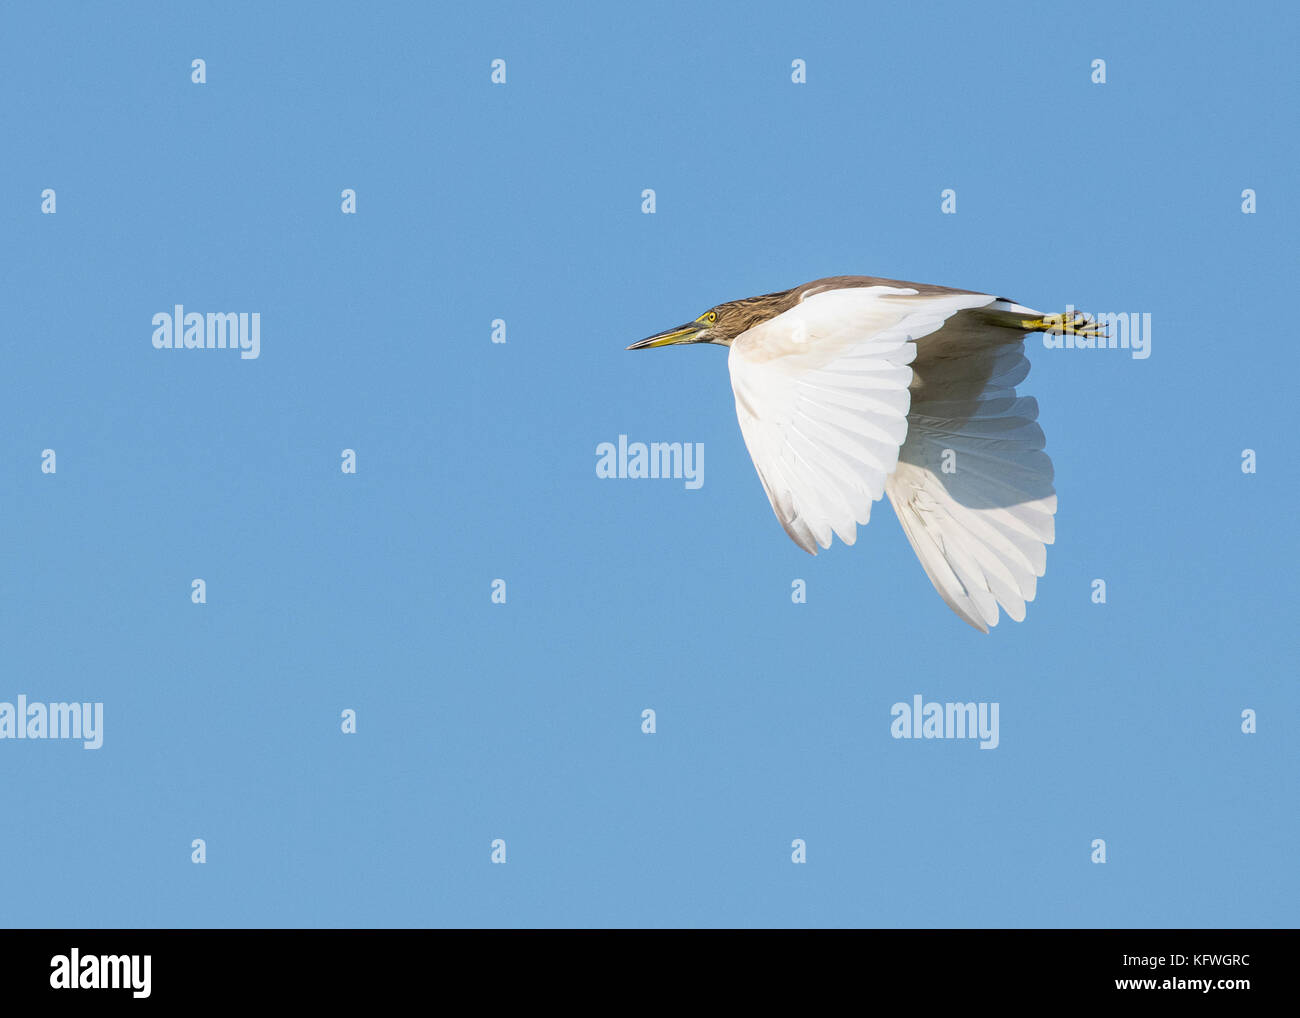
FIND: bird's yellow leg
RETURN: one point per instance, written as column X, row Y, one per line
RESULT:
column 1074, row 323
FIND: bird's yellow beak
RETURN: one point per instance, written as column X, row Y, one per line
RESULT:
column 682, row 334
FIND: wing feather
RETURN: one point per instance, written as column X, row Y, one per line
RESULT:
column 822, row 396
column 973, row 488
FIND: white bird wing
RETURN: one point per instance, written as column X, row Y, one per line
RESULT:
column 822, row 397
column 973, row 488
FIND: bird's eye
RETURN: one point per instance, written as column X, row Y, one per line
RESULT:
column 712, row 317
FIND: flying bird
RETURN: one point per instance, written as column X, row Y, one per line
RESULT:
column 854, row 387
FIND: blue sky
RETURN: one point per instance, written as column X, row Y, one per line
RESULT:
column 476, row 461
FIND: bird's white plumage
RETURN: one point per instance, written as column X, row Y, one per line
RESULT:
column 837, row 408
column 979, row 521
column 822, row 398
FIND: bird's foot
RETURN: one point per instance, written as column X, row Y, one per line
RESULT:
column 1073, row 323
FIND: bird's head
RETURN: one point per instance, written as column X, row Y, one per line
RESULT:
column 720, row 325
column 705, row 329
